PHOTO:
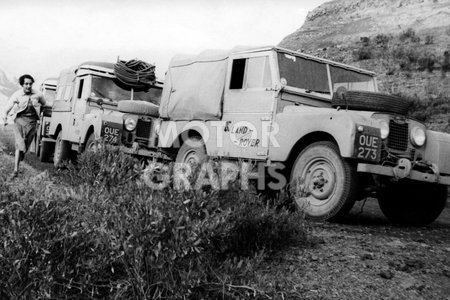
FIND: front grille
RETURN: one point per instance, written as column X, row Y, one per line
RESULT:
column 398, row 136
column 143, row 129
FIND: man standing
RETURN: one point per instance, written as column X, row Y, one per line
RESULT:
column 25, row 106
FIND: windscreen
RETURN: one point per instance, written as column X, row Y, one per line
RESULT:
column 108, row 88
column 351, row 80
column 303, row 73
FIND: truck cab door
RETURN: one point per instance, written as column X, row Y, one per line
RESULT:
column 248, row 107
column 81, row 93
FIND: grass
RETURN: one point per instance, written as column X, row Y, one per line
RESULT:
column 96, row 231
column 404, row 52
column 7, row 139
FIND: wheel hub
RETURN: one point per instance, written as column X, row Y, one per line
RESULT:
column 321, row 180
column 191, row 158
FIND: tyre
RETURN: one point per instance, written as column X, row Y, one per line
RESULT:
column 62, row 151
column 192, row 152
column 322, row 183
column 91, row 144
column 371, row 101
column 138, row 107
column 46, row 150
column 414, row 203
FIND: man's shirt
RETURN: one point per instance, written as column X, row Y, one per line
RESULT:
column 19, row 102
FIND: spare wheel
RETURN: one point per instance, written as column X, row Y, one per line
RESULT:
column 371, row 101
column 138, row 107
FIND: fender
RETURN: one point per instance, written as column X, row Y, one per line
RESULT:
column 437, row 150
column 60, row 111
column 170, row 132
column 96, row 120
column 296, row 122
column 53, row 126
column 90, row 120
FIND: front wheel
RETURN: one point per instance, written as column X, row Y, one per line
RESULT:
column 322, row 183
column 192, row 152
column 92, row 145
column 408, row 202
column 62, row 151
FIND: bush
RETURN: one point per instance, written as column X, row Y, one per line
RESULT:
column 408, row 34
column 363, row 53
column 382, row 40
column 424, row 109
column 102, row 233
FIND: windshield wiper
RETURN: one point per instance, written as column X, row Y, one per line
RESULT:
column 319, row 92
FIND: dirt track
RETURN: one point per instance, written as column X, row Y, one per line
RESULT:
column 365, row 257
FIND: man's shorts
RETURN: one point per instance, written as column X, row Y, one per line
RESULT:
column 24, row 132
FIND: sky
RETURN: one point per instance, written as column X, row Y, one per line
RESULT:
column 43, row 37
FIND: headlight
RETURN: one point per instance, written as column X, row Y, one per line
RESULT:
column 384, row 129
column 418, row 136
column 130, row 124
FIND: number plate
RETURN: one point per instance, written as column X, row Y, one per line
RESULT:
column 111, row 133
column 368, row 146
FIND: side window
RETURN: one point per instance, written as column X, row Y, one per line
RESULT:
column 80, row 89
column 258, row 73
column 237, row 74
column 253, row 72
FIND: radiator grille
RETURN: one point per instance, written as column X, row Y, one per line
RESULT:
column 398, row 136
column 143, row 129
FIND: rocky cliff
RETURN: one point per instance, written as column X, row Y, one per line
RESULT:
column 406, row 42
column 342, row 22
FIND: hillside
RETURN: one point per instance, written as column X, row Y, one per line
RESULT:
column 343, row 22
column 403, row 41
column 7, row 88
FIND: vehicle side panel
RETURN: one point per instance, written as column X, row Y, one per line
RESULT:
column 296, row 122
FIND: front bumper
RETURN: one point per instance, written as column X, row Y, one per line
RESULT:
column 136, row 150
column 412, row 174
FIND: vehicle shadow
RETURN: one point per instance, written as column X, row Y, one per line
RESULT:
column 368, row 218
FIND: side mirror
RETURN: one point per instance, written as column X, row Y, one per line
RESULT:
column 99, row 101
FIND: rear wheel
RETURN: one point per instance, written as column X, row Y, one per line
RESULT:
column 322, row 183
column 408, row 202
column 62, row 151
